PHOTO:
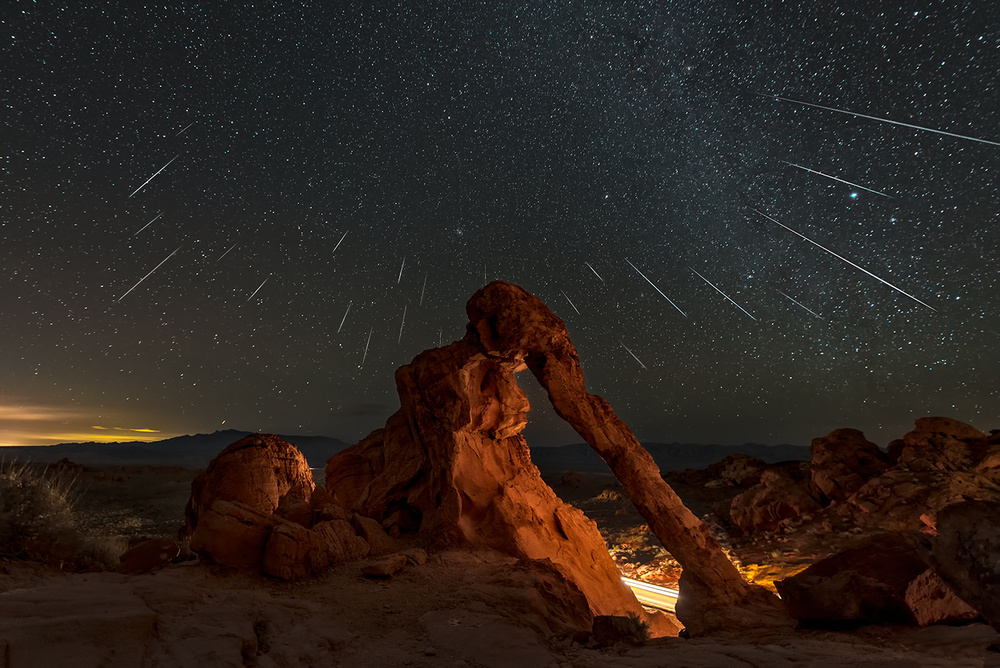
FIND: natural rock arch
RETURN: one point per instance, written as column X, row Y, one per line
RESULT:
column 453, row 465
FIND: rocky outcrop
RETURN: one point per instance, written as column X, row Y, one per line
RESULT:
column 966, row 554
column 856, row 484
column 843, row 461
column 453, row 466
column 783, row 493
column 257, row 507
column 866, row 584
column 939, row 444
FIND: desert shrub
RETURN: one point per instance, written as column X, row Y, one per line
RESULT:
column 38, row 521
column 640, row 629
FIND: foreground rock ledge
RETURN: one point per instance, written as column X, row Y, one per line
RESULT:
column 452, row 465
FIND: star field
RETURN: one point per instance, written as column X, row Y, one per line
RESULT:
column 325, row 169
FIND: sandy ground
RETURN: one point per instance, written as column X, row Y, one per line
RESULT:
column 458, row 609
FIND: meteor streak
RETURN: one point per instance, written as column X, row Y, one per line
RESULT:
column 657, row 289
column 422, row 291
column 800, row 304
column 403, row 264
column 882, row 120
column 595, row 271
column 155, row 175
column 633, row 355
column 338, row 243
column 368, row 343
column 813, row 171
column 401, row 323
column 258, row 288
column 841, row 257
column 150, row 273
column 723, row 294
column 570, row 302
column 227, row 252
column 149, row 223
column 185, row 128
column 345, row 317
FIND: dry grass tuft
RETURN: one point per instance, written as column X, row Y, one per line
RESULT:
column 39, row 522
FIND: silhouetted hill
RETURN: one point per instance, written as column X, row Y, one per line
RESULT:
column 669, row 456
column 192, row 451
column 196, row 451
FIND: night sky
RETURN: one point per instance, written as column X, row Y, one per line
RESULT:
column 222, row 151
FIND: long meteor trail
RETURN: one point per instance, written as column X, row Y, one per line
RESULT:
column 338, row 244
column 882, row 120
column 367, row 343
column 570, row 302
column 594, row 270
column 342, row 320
column 657, row 289
column 229, row 249
column 258, row 288
column 633, row 355
column 150, row 273
column 799, row 303
column 723, row 294
column 854, row 185
column 149, row 223
column 155, row 175
column 841, row 257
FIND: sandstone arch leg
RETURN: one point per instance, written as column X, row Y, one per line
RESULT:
column 506, row 320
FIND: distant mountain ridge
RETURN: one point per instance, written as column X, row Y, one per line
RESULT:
column 197, row 450
column 582, row 458
column 192, row 451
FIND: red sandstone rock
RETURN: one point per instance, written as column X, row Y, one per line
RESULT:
column 452, row 464
column 231, row 534
column 293, row 552
column 253, row 506
column 933, row 602
column 261, row 472
column 843, row 461
column 373, row 533
column 965, row 553
column 942, row 444
column 148, row 555
column 384, row 567
column 865, row 584
column 783, row 493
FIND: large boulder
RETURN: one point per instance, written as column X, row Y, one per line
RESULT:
column 452, row 466
column 866, row 584
column 966, row 554
column 842, row 461
column 262, row 472
column 256, row 507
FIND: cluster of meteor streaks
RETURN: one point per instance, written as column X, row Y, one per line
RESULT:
column 841, row 257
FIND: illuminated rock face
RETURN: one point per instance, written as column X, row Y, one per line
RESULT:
column 452, row 464
column 253, row 508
